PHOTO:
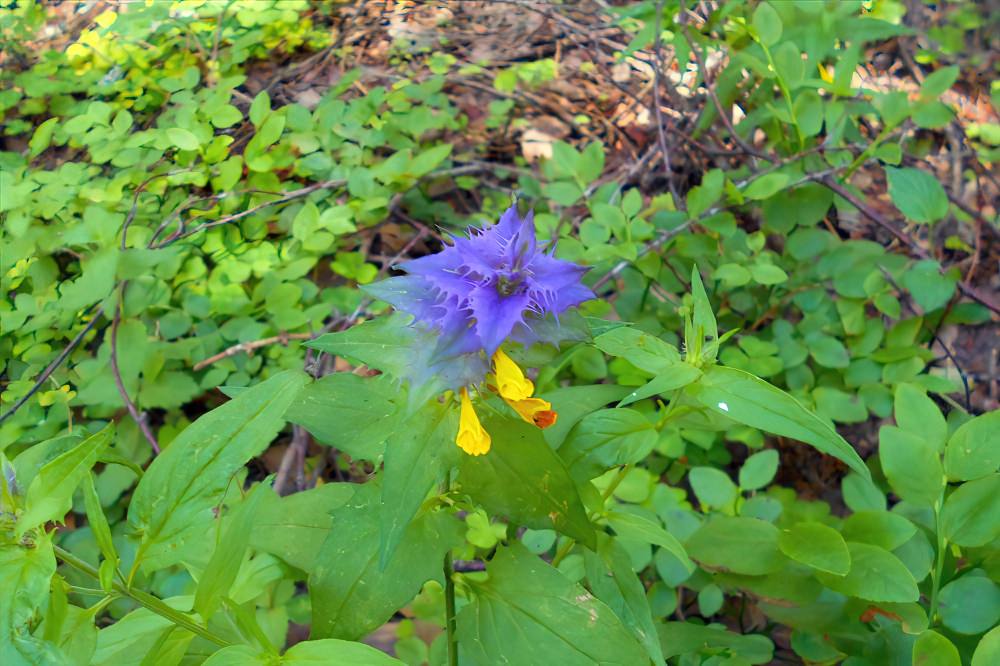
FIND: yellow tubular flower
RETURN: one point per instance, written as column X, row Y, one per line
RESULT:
column 535, row 411
column 471, row 438
column 511, row 382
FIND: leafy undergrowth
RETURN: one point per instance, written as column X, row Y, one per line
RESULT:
column 777, row 435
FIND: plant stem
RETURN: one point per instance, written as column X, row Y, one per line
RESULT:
column 942, row 545
column 568, row 544
column 449, row 596
column 144, row 599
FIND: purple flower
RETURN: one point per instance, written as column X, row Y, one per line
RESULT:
column 498, row 284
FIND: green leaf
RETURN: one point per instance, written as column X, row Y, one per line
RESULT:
column 737, row 544
column 927, row 286
column 333, row 652
column 671, row 378
column 768, row 274
column 937, row 82
column 371, row 405
column 752, row 401
column 175, row 499
column 816, row 545
column 26, row 573
column 572, row 403
column 638, row 528
column 98, row 521
column 828, row 351
column 765, row 186
column 933, row 649
column 713, row 487
column 759, row 469
column 553, row 619
column 767, row 23
column 970, row 517
column 642, row 350
column 260, row 108
column 917, row 194
column 50, row 495
column 221, row 570
column 912, row 466
column 351, row 595
column 879, row 528
column 918, row 415
column 183, row 138
column 523, row 479
column 704, row 318
column 385, row 344
column 988, row 650
column 42, row 137
column 972, row 451
column 415, row 458
column 701, row 198
column 970, row 605
column 875, row 575
column 295, row 527
column 613, row 581
column 606, row 438
column 681, row 638
column 563, row 192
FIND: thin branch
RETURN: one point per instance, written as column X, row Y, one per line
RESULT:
column 42, row 378
column 138, row 417
column 661, row 134
column 249, row 347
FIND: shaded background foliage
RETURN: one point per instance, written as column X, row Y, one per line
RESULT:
column 191, row 191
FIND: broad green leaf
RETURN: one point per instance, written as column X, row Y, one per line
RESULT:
column 917, row 194
column 295, row 527
column 912, row 466
column 970, row 605
column 701, row 198
column 740, row 545
column 25, row 572
column 970, row 517
column 767, row 23
column 816, row 545
column 182, row 138
column 606, row 438
column 351, row 595
column 642, row 350
column 29, row 462
column 42, row 137
column 878, row 528
column 220, row 573
column 671, row 378
column 759, row 469
column 752, row 401
column 713, row 487
column 131, row 638
column 237, row 655
column 875, row 575
column 988, row 650
column 50, row 495
column 425, row 161
column 927, row 286
column 333, row 652
column 554, row 620
column 523, row 479
column 933, row 649
column 917, row 414
column 765, row 186
column 613, row 581
column 572, row 403
column 937, row 82
column 175, row 499
column 679, row 638
column 861, row 493
column 415, row 458
column 385, row 343
column 350, row 413
column 637, row 528
column 972, row 451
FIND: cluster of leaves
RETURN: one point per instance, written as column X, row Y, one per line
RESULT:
column 155, row 197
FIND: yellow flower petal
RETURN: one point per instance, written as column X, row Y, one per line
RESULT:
column 511, row 382
column 535, row 411
column 471, row 438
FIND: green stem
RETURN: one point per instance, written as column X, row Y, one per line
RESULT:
column 568, row 544
column 449, row 596
column 942, row 545
column 144, row 599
